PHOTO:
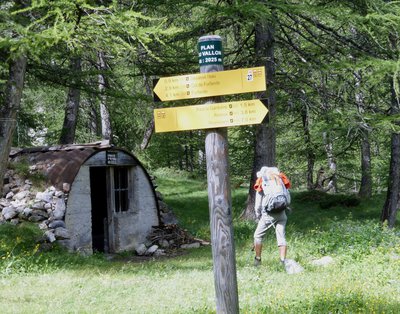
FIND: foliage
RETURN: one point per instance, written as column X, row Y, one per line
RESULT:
column 335, row 60
column 79, row 25
column 318, row 49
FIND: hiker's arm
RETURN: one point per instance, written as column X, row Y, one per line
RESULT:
column 257, row 205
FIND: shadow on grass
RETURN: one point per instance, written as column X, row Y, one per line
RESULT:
column 312, row 209
column 334, row 302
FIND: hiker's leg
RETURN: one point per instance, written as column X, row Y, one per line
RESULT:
column 258, row 237
column 258, row 249
column 259, row 234
column 281, row 237
column 282, row 252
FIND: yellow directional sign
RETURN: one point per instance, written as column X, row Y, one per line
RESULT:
column 211, row 84
column 215, row 115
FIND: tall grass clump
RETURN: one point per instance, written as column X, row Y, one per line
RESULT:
column 23, row 251
column 18, row 247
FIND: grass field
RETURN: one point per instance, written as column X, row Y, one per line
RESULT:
column 364, row 277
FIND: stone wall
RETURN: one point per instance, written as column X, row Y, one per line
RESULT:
column 20, row 202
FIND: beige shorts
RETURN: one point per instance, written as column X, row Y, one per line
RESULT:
column 271, row 220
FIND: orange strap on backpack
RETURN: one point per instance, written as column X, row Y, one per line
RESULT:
column 285, row 180
column 258, row 185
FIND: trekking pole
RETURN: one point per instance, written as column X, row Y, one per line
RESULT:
column 250, row 254
column 273, row 223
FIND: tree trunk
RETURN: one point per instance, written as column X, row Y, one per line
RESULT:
column 150, row 128
column 389, row 211
column 143, row 55
column 72, row 104
column 265, row 140
column 309, row 147
column 366, row 176
column 147, row 134
column 106, row 131
column 332, row 184
column 93, row 123
column 9, row 106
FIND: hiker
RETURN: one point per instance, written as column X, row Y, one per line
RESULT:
column 272, row 200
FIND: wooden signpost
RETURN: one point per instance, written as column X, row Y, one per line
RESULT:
column 215, row 117
column 220, row 202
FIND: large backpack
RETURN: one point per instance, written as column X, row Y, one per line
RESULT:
column 276, row 197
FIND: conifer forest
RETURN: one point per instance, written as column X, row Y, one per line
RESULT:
column 82, row 71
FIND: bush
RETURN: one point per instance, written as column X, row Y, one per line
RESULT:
column 309, row 196
column 333, row 200
column 326, row 200
column 174, row 173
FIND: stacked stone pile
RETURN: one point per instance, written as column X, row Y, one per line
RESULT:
column 19, row 202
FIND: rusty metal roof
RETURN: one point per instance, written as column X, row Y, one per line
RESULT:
column 60, row 164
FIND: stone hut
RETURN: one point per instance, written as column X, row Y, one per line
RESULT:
column 108, row 203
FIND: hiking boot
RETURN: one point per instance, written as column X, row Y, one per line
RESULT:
column 257, row 261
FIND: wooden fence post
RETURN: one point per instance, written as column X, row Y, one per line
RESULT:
column 219, row 192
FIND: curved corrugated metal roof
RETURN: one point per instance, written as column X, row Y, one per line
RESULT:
column 60, row 164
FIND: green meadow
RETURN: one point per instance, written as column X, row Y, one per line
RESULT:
column 364, row 276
